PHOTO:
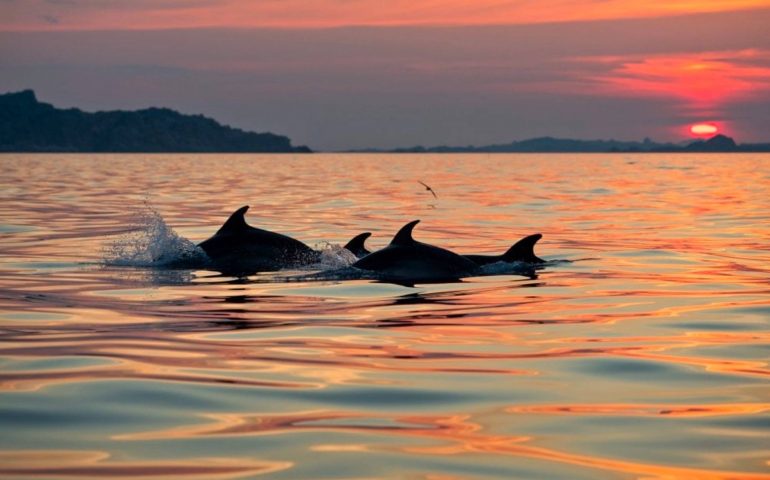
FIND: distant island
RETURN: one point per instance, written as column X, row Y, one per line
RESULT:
column 27, row 125
column 717, row 143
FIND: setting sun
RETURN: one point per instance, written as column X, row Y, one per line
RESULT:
column 704, row 129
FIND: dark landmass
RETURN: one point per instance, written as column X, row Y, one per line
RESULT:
column 718, row 143
column 27, row 125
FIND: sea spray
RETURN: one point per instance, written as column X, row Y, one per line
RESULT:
column 150, row 242
column 333, row 256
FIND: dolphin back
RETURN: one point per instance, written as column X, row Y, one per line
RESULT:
column 406, row 259
column 524, row 250
column 236, row 222
column 237, row 245
column 404, row 236
column 521, row 251
column 356, row 245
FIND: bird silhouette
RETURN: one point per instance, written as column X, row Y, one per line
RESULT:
column 428, row 189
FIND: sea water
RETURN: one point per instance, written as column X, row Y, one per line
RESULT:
column 644, row 356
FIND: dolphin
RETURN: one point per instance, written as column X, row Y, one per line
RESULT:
column 239, row 247
column 521, row 251
column 406, row 259
column 356, row 245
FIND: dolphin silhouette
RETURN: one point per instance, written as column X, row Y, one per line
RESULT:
column 406, row 259
column 521, row 251
column 356, row 245
column 239, row 247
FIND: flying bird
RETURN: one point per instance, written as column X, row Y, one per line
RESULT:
column 428, row 189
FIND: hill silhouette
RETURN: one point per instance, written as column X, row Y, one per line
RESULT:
column 718, row 143
column 27, row 125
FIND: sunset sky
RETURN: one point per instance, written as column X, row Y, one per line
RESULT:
column 339, row 74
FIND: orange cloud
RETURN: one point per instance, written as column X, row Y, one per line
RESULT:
column 160, row 14
column 702, row 83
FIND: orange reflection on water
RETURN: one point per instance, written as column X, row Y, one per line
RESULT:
column 650, row 348
column 96, row 464
column 663, row 311
column 37, row 380
column 289, row 362
column 461, row 436
column 309, row 362
column 477, row 443
column 645, row 409
column 743, row 367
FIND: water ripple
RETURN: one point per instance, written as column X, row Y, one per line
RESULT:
column 643, row 356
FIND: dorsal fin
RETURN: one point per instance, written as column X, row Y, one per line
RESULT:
column 236, row 222
column 356, row 244
column 404, row 236
column 524, row 250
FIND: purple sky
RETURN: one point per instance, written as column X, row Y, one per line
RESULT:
column 387, row 86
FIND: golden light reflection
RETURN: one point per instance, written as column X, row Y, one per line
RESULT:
column 675, row 284
column 34, row 380
column 717, row 365
column 268, row 365
column 339, row 448
column 458, row 435
column 645, row 409
column 96, row 464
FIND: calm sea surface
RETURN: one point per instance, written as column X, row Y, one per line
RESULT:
column 645, row 357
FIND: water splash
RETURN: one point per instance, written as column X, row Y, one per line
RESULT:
column 334, row 263
column 333, row 256
column 150, row 242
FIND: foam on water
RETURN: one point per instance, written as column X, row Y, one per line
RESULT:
column 150, row 242
column 333, row 256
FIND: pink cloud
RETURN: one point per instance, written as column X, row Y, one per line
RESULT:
column 702, row 83
column 162, row 14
